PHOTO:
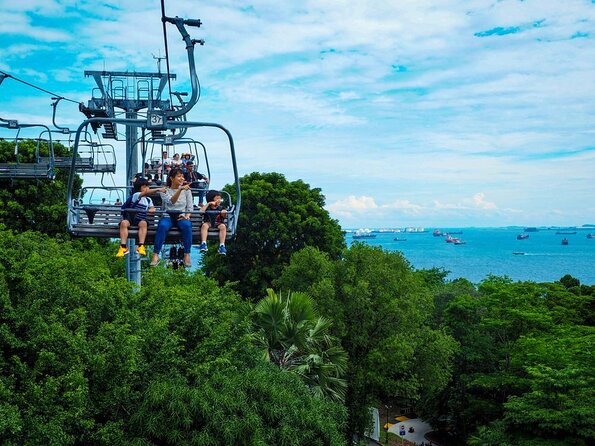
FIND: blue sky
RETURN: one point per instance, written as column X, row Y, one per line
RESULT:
column 405, row 113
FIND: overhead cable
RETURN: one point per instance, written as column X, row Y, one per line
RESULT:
column 4, row 75
column 166, row 52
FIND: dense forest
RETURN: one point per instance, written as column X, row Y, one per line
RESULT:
column 289, row 340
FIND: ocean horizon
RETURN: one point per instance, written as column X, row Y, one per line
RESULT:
column 484, row 251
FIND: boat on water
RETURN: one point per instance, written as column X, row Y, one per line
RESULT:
column 455, row 232
column 363, row 233
column 450, row 239
column 437, row 233
column 460, row 242
column 518, row 253
column 590, row 235
column 415, row 230
column 397, row 239
column 522, row 236
column 565, row 241
column 565, row 232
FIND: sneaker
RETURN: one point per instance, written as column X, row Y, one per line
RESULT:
column 141, row 250
column 203, row 247
column 122, row 252
column 222, row 250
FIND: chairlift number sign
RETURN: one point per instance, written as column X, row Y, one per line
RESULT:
column 155, row 120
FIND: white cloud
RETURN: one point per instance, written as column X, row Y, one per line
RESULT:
column 353, row 204
column 448, row 206
column 352, row 211
column 405, row 206
column 19, row 24
column 349, row 95
column 479, row 201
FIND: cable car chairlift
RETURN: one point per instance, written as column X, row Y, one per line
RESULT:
column 93, row 157
column 41, row 168
column 193, row 147
column 92, row 220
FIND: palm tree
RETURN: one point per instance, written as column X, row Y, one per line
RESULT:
column 295, row 338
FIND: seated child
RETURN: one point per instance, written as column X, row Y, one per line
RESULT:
column 134, row 213
column 214, row 216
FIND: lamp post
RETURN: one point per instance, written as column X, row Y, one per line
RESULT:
column 387, row 406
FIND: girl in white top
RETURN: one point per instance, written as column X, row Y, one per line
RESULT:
column 178, row 204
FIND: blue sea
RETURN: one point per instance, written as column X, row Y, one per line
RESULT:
column 490, row 251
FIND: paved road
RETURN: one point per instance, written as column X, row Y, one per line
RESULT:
column 420, row 427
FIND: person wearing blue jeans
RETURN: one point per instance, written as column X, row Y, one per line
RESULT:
column 178, row 204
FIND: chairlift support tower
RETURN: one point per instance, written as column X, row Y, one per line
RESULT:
column 116, row 91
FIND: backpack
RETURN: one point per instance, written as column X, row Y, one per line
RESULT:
column 128, row 204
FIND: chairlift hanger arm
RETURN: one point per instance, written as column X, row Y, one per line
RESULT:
column 188, row 124
column 179, row 94
column 55, row 102
column 84, row 124
column 180, row 24
column 10, row 123
column 13, row 124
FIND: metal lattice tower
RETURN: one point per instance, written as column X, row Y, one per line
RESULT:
column 130, row 92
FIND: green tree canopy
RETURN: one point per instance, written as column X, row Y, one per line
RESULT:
column 524, row 374
column 295, row 338
column 278, row 217
column 556, row 407
column 87, row 360
column 381, row 310
column 38, row 205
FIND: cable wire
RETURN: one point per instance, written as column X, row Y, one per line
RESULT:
column 38, row 88
column 166, row 51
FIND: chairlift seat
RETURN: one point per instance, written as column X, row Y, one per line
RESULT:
column 27, row 170
column 65, row 162
column 103, row 221
column 103, row 168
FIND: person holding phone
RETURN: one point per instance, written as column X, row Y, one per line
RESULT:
column 178, row 204
column 197, row 181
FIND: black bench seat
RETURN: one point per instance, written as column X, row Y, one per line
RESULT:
column 103, row 221
column 26, row 170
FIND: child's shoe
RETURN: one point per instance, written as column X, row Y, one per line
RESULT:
column 141, row 250
column 222, row 250
column 203, row 247
column 122, row 251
